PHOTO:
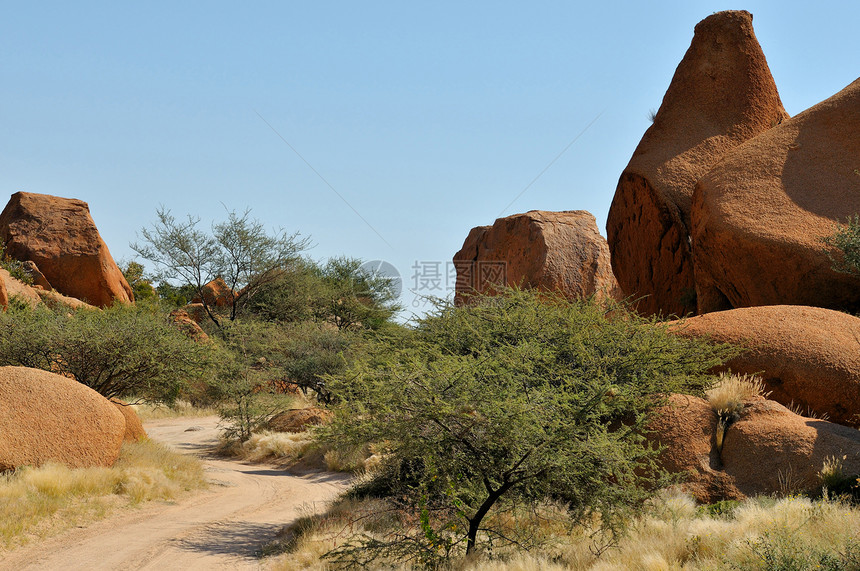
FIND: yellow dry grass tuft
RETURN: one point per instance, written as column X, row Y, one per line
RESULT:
column 730, row 392
column 36, row 502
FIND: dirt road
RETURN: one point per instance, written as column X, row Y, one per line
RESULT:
column 221, row 528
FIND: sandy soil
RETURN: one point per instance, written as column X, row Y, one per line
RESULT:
column 221, row 528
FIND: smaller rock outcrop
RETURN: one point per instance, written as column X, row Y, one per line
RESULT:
column 133, row 426
column 4, row 295
column 216, row 293
column 550, row 251
column 298, row 420
column 182, row 320
column 768, row 450
column 807, row 356
column 47, row 417
column 60, row 237
column 39, row 279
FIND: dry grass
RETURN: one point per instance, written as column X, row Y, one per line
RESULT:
column 758, row 534
column 287, row 448
column 178, row 409
column 36, row 502
column 730, row 393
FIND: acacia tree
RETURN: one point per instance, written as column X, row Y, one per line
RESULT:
column 518, row 399
column 239, row 250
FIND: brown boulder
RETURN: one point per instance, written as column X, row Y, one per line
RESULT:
column 46, row 417
column 182, row 320
column 216, row 293
column 19, row 290
column 721, row 95
column 298, row 420
column 550, row 251
column 4, row 295
column 760, row 214
column 60, row 237
column 686, row 428
column 808, row 357
column 133, row 426
column 768, row 450
column 771, row 449
column 39, row 279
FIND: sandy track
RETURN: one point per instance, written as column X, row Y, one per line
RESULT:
column 221, row 528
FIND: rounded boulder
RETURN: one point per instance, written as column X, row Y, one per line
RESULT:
column 47, row 417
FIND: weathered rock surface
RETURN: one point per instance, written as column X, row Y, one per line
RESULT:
column 182, row 320
column 550, row 251
column 34, row 296
column 769, row 449
column 760, row 214
column 721, row 95
column 19, row 290
column 47, row 417
column 133, row 426
column 60, row 237
column 807, row 356
column 298, row 420
column 216, row 293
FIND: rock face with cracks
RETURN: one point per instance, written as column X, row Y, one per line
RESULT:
column 807, row 356
column 60, row 237
column 721, row 95
column 551, row 251
column 46, row 417
column 759, row 215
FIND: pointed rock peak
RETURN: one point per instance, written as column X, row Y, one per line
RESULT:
column 721, row 95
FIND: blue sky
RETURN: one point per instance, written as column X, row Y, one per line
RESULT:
column 427, row 118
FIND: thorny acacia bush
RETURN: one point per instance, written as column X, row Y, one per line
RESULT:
column 507, row 404
column 120, row 351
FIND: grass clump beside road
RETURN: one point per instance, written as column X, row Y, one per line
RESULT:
column 37, row 502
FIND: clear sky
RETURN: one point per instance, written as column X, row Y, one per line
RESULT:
column 428, row 118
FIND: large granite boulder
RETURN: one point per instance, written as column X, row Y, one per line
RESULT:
column 46, row 417
column 722, row 94
column 768, row 450
column 60, row 237
column 551, row 251
column 759, row 216
column 808, row 357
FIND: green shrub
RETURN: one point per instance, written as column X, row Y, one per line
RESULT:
column 121, row 351
column 516, row 400
column 16, row 268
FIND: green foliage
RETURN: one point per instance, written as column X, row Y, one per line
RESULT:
column 339, row 292
column 518, row 399
column 15, row 267
column 239, row 250
column 175, row 296
column 246, row 371
column 846, row 240
column 120, row 351
column 140, row 284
